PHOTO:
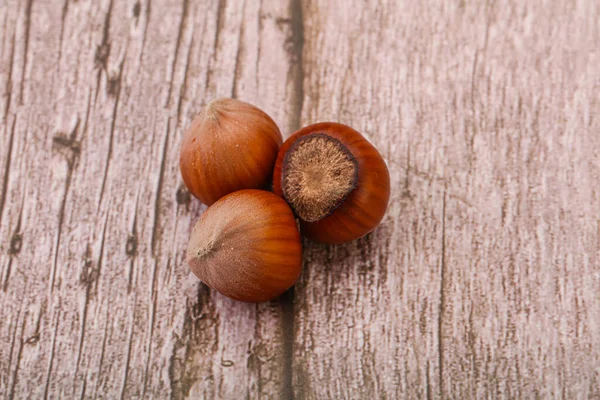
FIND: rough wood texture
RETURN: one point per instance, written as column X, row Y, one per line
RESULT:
column 482, row 281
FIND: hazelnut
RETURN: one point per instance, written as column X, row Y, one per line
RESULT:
column 247, row 246
column 230, row 145
column 335, row 181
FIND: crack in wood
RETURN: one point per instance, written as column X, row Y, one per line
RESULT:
column 157, row 200
column 15, row 246
column 288, row 328
column 61, row 143
column 442, row 305
column 15, row 375
column 83, row 388
column 184, row 13
column 259, row 44
column 221, row 8
column 113, row 85
column 9, row 83
column 63, row 18
column 185, row 78
column 183, row 196
column 200, row 320
column 131, row 246
column 137, row 8
column 28, row 6
column 52, row 352
column 106, row 27
column 101, row 57
column 12, row 342
column 145, row 34
column 8, row 274
column 427, row 382
column 154, row 290
column 84, row 129
column 129, row 341
column 89, row 275
column 113, row 121
column 295, row 47
column 102, row 353
column 237, row 69
column 4, row 192
column 103, row 49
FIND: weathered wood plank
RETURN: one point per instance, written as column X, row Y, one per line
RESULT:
column 96, row 300
column 229, row 349
column 482, row 281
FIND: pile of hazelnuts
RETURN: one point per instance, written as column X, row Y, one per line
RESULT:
column 327, row 183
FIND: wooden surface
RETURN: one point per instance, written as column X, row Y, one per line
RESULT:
column 482, row 282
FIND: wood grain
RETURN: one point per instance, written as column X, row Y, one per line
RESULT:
column 482, row 281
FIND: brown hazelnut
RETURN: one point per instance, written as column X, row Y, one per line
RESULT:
column 247, row 246
column 336, row 182
column 231, row 145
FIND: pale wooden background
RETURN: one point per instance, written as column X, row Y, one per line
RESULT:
column 482, row 282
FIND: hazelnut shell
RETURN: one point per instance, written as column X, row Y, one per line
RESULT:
column 230, row 145
column 363, row 208
column 247, row 246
